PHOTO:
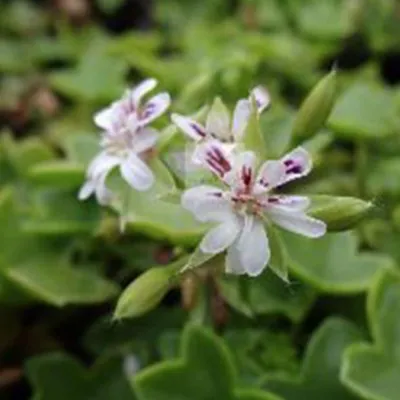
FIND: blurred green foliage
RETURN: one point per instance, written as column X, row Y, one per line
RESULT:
column 63, row 262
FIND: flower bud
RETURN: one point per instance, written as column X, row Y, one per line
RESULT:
column 316, row 107
column 57, row 173
column 253, row 139
column 339, row 213
column 147, row 291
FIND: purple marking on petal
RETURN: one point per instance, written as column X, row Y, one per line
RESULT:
column 148, row 110
column 216, row 194
column 273, row 200
column 288, row 163
column 197, row 129
column 263, row 182
column 246, row 175
column 216, row 160
column 296, row 169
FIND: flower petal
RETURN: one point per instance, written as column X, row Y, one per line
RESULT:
column 297, row 164
column 207, row 203
column 132, row 123
column 101, row 164
column 156, row 106
column 287, row 203
column 96, row 185
column 104, row 118
column 221, row 237
column 214, row 156
column 243, row 174
column 218, row 124
column 270, row 175
column 262, row 98
column 103, row 194
column 142, row 89
column 233, row 263
column 240, row 118
column 298, row 222
column 253, row 246
column 137, row 173
column 86, row 189
column 189, row 126
column 144, row 140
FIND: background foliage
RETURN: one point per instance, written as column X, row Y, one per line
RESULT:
column 331, row 332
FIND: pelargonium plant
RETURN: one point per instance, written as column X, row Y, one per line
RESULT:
column 241, row 204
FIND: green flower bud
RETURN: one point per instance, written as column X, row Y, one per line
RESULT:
column 339, row 213
column 316, row 107
column 57, row 173
column 253, row 139
column 147, row 291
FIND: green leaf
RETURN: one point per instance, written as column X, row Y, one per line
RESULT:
column 11, row 54
column 45, row 218
column 98, row 78
column 383, row 177
column 59, row 376
column 25, row 154
column 57, row 173
column 267, row 294
column 382, row 25
column 319, row 378
column 372, row 370
column 365, row 111
column 145, row 212
column 21, row 17
column 204, row 371
column 269, row 13
column 383, row 236
column 279, row 262
column 332, row 263
column 339, row 213
column 81, row 148
column 139, row 335
column 49, row 281
column 258, row 351
column 109, row 6
column 42, row 271
column 325, row 20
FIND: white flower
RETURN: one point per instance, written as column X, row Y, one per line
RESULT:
column 219, row 125
column 126, row 137
column 243, row 207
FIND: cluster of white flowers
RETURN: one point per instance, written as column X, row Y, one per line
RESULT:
column 246, row 200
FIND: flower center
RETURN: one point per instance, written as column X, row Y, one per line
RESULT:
column 118, row 143
column 245, row 203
